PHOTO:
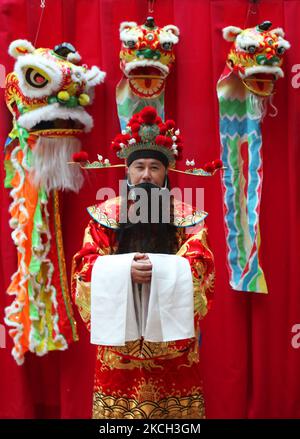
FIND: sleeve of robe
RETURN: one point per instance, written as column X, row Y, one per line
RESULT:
column 195, row 248
column 100, row 240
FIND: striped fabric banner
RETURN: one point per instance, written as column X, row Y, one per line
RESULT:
column 241, row 153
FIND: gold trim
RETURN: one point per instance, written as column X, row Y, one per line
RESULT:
column 97, row 212
column 171, row 407
column 57, row 132
column 127, row 150
column 62, row 266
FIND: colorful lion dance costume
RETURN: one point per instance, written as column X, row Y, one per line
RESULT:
column 46, row 94
column 146, row 58
column 247, row 83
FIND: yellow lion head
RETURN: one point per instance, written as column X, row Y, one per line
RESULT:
column 256, row 56
column 147, row 56
column 48, row 90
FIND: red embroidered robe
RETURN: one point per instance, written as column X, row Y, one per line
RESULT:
column 147, row 379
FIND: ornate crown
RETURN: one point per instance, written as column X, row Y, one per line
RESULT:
column 146, row 131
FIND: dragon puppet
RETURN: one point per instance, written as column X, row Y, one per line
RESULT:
column 146, row 59
column 254, row 63
column 46, row 93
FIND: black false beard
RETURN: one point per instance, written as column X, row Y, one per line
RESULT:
column 148, row 237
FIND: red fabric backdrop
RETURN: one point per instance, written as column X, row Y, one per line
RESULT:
column 250, row 368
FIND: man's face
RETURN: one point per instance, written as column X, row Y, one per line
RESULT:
column 147, row 171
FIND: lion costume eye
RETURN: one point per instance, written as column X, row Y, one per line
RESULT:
column 35, row 79
column 280, row 50
column 251, row 49
column 130, row 44
column 167, row 45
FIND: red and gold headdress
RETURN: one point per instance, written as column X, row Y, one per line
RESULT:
column 147, row 135
column 147, row 132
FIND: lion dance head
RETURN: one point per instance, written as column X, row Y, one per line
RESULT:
column 48, row 93
column 147, row 56
column 256, row 56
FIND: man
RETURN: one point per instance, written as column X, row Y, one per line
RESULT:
column 142, row 287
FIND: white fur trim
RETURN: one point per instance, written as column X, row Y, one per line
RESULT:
column 18, row 237
column 278, row 31
column 94, row 76
column 277, row 71
column 55, row 111
column 168, row 37
column 170, row 28
column 48, row 66
column 74, row 57
column 231, row 32
column 24, row 46
column 146, row 63
column 50, row 169
column 14, row 308
column 283, row 43
column 130, row 35
column 77, row 74
column 127, row 25
column 244, row 41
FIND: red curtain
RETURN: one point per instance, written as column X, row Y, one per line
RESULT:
column 249, row 365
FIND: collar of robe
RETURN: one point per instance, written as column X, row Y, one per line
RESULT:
column 107, row 213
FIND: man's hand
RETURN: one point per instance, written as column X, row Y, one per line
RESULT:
column 141, row 269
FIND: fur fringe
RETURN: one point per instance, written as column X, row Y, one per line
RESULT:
column 50, row 164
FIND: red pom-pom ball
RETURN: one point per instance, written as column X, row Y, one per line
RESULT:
column 137, row 137
column 81, row 156
column 170, row 124
column 218, row 164
column 209, row 167
column 122, row 138
column 134, row 118
column 135, row 127
column 162, row 128
column 148, row 115
column 168, row 142
column 160, row 140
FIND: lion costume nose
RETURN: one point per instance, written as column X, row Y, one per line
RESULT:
column 268, row 59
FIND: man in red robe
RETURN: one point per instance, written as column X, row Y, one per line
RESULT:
column 142, row 287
